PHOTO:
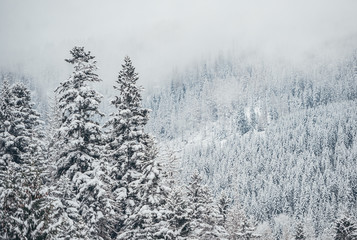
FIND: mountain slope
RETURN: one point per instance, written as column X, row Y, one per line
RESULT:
column 282, row 139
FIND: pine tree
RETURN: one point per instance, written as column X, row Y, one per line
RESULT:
column 346, row 229
column 253, row 119
column 29, row 218
column 176, row 202
column 170, row 165
column 134, row 170
column 81, row 193
column 6, row 138
column 23, row 197
column 238, row 225
column 299, row 232
column 242, row 121
column 18, row 121
column 246, row 230
column 7, row 155
column 204, row 215
column 52, row 137
column 223, row 207
column 179, row 215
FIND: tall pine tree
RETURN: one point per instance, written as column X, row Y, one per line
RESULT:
column 52, row 138
column 206, row 220
column 179, row 214
column 134, row 170
column 23, row 196
column 82, row 201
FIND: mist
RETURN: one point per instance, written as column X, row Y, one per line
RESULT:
column 161, row 36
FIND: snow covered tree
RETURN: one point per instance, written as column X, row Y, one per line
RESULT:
column 179, row 215
column 223, row 207
column 28, row 205
column 18, row 122
column 176, row 202
column 299, row 232
column 170, row 164
column 242, row 121
column 80, row 186
column 8, row 166
column 6, row 139
column 253, row 118
column 22, row 197
column 52, row 138
column 246, row 230
column 238, row 225
column 204, row 215
column 346, row 229
column 133, row 168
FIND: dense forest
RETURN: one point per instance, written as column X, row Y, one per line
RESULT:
column 233, row 149
column 279, row 138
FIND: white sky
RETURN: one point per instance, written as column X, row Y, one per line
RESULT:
column 35, row 36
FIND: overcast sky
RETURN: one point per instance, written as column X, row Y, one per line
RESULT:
column 35, row 36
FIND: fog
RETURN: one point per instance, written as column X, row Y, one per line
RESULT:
column 160, row 36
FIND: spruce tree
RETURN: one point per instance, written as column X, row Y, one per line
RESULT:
column 81, row 193
column 18, row 122
column 242, row 121
column 204, row 215
column 223, row 207
column 246, row 230
column 179, row 215
column 23, row 196
column 346, row 229
column 134, row 170
column 52, row 137
column 176, row 203
column 6, row 138
column 253, row 119
column 8, row 166
column 238, row 225
column 32, row 205
column 299, row 232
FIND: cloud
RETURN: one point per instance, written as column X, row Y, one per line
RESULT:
column 162, row 35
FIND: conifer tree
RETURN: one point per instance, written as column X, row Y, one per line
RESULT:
column 253, row 119
column 179, row 215
column 245, row 230
column 18, row 122
column 299, row 232
column 171, row 166
column 23, row 197
column 242, row 121
column 6, row 138
column 134, row 170
column 80, row 190
column 176, row 202
column 52, row 138
column 205, row 217
column 346, row 229
column 53, row 149
column 223, row 207
column 7, row 156
column 238, row 225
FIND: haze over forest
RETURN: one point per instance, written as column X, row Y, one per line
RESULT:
column 162, row 37
column 245, row 128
